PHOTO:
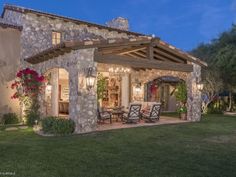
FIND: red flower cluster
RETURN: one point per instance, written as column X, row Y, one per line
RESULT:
column 28, row 83
column 15, row 96
column 25, row 72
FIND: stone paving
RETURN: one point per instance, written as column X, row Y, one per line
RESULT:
column 15, row 128
column 119, row 125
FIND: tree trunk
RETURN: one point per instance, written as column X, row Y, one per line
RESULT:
column 230, row 102
column 204, row 107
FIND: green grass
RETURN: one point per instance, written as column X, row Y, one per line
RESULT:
column 207, row 148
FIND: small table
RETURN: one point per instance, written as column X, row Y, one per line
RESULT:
column 117, row 114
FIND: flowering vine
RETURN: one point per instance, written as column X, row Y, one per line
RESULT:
column 28, row 85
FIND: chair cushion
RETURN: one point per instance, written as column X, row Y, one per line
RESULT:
column 105, row 115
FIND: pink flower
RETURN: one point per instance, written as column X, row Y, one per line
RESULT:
column 19, row 74
column 40, row 79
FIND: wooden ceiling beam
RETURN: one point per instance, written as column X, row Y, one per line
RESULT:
column 170, row 57
column 133, row 49
column 142, row 63
column 104, row 44
column 132, row 55
column 175, row 53
column 140, row 54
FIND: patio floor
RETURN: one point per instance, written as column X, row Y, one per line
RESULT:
column 119, row 125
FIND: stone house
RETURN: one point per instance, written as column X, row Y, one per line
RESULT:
column 65, row 49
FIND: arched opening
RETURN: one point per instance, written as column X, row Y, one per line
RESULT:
column 162, row 90
column 57, row 93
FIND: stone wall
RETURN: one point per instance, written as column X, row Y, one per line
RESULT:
column 149, row 75
column 83, row 103
column 191, row 79
column 37, row 31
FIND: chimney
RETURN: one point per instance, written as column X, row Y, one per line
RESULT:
column 119, row 23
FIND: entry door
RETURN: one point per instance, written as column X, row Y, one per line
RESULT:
column 165, row 94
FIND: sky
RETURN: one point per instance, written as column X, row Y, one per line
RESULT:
column 182, row 23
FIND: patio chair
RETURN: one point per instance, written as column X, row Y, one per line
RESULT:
column 154, row 114
column 133, row 116
column 104, row 115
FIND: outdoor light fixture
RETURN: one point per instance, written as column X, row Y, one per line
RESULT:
column 138, row 87
column 119, row 70
column 200, row 86
column 90, row 79
column 48, row 88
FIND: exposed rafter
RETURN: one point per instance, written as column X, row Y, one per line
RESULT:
column 142, row 63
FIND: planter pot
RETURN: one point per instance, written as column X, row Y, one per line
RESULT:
column 183, row 116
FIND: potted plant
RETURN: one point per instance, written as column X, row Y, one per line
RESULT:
column 182, row 110
column 181, row 96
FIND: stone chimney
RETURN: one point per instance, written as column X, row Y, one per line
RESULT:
column 119, row 23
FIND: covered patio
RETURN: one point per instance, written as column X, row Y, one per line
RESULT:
column 141, row 70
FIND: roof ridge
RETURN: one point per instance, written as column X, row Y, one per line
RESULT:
column 25, row 10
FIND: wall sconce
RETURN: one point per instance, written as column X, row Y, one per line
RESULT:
column 48, row 88
column 138, row 87
column 90, row 78
column 200, row 86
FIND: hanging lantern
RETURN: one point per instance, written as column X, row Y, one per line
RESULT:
column 90, row 79
column 200, row 86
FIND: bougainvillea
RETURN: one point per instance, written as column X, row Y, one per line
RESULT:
column 28, row 85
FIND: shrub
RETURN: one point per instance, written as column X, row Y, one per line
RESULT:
column 58, row 126
column 47, row 124
column 63, row 126
column 10, row 118
column 31, row 117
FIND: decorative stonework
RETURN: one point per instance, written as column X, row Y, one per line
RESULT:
column 191, row 79
column 37, row 31
column 83, row 103
column 150, row 75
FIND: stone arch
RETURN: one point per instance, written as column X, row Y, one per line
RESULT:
column 55, row 98
column 149, row 75
column 162, row 89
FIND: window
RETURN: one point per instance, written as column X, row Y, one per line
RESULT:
column 56, row 38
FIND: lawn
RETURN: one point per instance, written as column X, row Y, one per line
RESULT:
column 207, row 148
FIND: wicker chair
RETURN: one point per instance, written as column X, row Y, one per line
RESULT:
column 104, row 115
column 133, row 116
column 154, row 114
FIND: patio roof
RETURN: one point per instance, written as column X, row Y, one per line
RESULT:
column 140, row 52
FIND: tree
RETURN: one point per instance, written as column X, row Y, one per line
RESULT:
column 212, row 86
column 220, row 55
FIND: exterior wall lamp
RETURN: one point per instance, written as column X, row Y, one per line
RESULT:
column 200, row 86
column 138, row 87
column 90, row 78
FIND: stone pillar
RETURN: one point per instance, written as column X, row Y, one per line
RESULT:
column 194, row 95
column 83, row 102
column 125, row 91
column 54, row 100
column 73, row 96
